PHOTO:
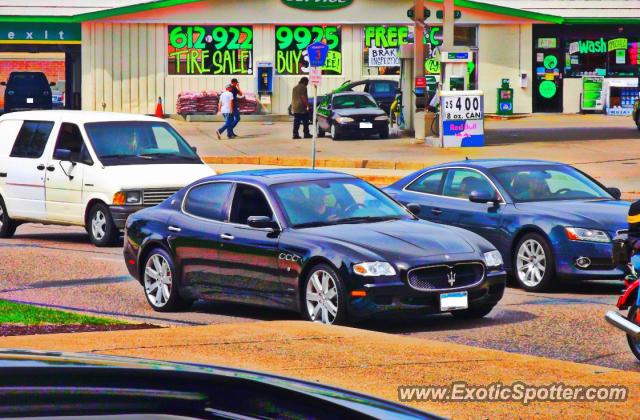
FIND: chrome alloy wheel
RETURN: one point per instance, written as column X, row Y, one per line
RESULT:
column 1, row 217
column 322, row 297
column 99, row 225
column 158, row 280
column 531, row 263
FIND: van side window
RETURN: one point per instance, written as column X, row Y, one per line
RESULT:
column 32, row 139
column 70, row 138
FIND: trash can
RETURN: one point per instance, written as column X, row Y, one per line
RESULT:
column 505, row 99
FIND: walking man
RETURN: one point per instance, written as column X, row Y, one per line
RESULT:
column 300, row 109
column 226, row 109
column 237, row 93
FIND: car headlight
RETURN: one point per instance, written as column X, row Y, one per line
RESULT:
column 493, row 259
column 382, row 118
column 589, row 235
column 373, row 269
column 344, row 120
column 127, row 198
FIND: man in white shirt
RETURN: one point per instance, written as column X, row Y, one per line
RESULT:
column 226, row 109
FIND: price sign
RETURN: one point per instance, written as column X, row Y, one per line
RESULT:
column 216, row 50
column 315, row 75
column 462, row 107
column 292, row 43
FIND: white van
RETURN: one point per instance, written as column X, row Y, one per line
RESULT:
column 89, row 169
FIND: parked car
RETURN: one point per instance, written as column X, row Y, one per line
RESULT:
column 25, row 90
column 58, row 94
column 636, row 113
column 37, row 384
column 326, row 244
column 383, row 92
column 90, row 169
column 352, row 114
column 549, row 220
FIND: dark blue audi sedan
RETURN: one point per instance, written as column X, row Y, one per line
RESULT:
column 326, row 244
column 549, row 220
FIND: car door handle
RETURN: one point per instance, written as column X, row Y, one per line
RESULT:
column 40, row 167
column 227, row 237
column 51, row 168
column 436, row 212
column 175, row 229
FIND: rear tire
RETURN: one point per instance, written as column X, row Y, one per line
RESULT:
column 473, row 313
column 7, row 225
column 102, row 231
column 159, row 280
column 321, row 132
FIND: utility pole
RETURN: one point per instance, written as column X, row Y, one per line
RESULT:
column 418, row 44
column 448, row 22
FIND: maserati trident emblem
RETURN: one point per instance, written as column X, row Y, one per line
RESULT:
column 451, row 278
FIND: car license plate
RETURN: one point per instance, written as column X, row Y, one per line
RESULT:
column 366, row 125
column 454, row 301
column 29, row 100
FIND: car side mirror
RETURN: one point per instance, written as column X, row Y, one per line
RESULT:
column 482, row 197
column 63, row 155
column 615, row 192
column 414, row 208
column 262, row 222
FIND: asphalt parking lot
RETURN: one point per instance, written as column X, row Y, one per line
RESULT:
column 59, row 267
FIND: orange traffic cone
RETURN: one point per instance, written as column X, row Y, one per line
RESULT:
column 159, row 111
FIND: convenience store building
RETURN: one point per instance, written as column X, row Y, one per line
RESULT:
column 133, row 52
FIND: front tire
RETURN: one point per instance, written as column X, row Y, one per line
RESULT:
column 534, row 263
column 335, row 132
column 384, row 133
column 7, row 225
column 473, row 313
column 159, row 282
column 102, row 231
column 634, row 343
column 324, row 296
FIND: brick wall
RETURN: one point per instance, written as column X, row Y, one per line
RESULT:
column 54, row 69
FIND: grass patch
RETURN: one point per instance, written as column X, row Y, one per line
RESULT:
column 19, row 313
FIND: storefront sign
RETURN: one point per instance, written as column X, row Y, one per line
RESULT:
column 383, row 57
column 292, row 43
column 317, row 4
column 617, row 44
column 621, row 56
column 590, row 46
column 547, row 43
column 210, row 50
column 40, row 33
column 550, row 62
column 547, row 89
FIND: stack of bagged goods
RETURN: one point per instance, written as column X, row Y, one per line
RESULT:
column 207, row 102
column 187, row 103
column 249, row 103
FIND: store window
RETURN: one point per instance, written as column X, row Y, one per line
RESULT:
column 292, row 43
column 210, row 50
column 609, row 57
column 382, row 41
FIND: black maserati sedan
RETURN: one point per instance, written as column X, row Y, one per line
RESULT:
column 326, row 244
column 90, row 386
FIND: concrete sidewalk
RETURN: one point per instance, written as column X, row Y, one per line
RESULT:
column 370, row 362
column 605, row 147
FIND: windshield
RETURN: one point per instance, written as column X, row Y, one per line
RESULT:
column 134, row 142
column 353, row 101
column 548, row 183
column 316, row 203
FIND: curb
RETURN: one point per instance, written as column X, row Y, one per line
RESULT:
column 322, row 163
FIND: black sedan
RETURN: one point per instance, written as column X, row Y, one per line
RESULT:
column 326, row 244
column 352, row 113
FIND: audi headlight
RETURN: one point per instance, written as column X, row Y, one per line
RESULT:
column 382, row 118
column 127, row 198
column 374, row 269
column 589, row 235
column 493, row 259
column 344, row 120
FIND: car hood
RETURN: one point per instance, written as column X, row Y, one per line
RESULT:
column 609, row 215
column 350, row 112
column 400, row 239
column 156, row 176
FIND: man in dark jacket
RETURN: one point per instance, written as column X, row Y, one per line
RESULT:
column 300, row 109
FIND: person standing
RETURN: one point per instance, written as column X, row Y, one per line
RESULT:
column 237, row 93
column 226, row 109
column 300, row 109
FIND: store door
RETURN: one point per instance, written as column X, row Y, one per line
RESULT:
column 547, row 81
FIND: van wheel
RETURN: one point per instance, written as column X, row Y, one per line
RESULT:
column 100, row 226
column 7, row 226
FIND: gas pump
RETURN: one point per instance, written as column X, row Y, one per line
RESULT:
column 265, row 85
column 455, row 69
